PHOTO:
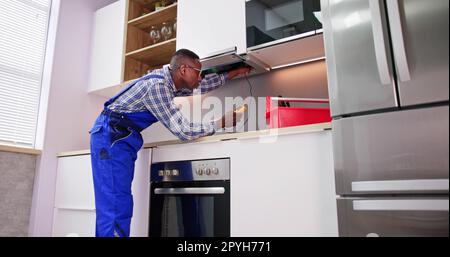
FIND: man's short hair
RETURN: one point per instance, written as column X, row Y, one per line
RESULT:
column 179, row 57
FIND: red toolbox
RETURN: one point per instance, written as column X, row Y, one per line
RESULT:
column 283, row 116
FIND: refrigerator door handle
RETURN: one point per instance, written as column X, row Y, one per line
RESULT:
column 398, row 41
column 401, row 205
column 401, row 185
column 379, row 39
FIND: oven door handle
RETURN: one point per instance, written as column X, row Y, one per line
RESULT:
column 190, row 191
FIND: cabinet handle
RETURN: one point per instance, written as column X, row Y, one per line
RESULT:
column 379, row 39
column 398, row 41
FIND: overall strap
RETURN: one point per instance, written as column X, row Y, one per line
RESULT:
column 150, row 76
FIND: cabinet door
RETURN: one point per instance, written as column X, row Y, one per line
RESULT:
column 108, row 46
column 74, row 183
column 288, row 178
column 141, row 194
column 73, row 223
column 208, row 27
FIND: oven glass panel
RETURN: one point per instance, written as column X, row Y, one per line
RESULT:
column 190, row 215
column 187, row 216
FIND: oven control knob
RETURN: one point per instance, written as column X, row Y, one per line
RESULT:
column 215, row 171
column 175, row 173
column 167, row 173
column 208, row 171
column 199, row 172
column 161, row 173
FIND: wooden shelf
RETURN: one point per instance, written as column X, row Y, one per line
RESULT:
column 155, row 18
column 155, row 55
column 140, row 55
column 146, row 2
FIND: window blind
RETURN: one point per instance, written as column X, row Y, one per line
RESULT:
column 23, row 37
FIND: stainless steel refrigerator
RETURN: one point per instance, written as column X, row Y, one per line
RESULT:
column 388, row 80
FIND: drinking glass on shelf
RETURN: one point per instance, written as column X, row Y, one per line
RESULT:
column 166, row 3
column 155, row 35
column 166, row 30
column 158, row 5
column 175, row 26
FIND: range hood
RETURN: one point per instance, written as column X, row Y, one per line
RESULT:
column 263, row 58
column 228, row 59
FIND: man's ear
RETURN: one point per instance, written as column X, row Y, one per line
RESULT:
column 182, row 70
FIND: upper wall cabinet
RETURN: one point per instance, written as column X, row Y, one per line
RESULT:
column 132, row 37
column 108, row 46
column 210, row 27
column 151, row 36
column 272, row 22
column 284, row 32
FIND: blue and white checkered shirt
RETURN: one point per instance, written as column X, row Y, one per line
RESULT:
column 156, row 96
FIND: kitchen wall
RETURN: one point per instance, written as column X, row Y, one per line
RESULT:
column 16, row 190
column 303, row 81
column 71, row 111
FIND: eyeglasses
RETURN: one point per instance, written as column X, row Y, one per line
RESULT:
column 199, row 71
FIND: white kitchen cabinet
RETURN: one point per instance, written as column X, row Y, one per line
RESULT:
column 280, row 186
column 74, row 183
column 285, row 187
column 74, row 209
column 211, row 26
column 73, row 223
column 141, row 194
column 107, row 56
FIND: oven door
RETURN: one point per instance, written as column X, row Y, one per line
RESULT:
column 190, row 209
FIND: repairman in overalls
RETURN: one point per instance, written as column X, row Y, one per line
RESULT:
column 116, row 138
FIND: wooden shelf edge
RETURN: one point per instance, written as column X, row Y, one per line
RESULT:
column 145, row 2
column 144, row 18
column 147, row 48
column 154, row 55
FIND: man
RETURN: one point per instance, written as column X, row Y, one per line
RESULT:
column 116, row 138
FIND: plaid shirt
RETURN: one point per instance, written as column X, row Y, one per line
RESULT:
column 156, row 96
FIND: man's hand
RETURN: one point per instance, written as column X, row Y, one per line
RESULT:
column 239, row 71
column 230, row 119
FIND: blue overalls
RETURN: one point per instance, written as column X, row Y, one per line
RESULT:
column 115, row 141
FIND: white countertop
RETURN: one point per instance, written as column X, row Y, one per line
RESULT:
column 228, row 136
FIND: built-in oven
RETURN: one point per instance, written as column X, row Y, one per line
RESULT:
column 275, row 21
column 190, row 198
